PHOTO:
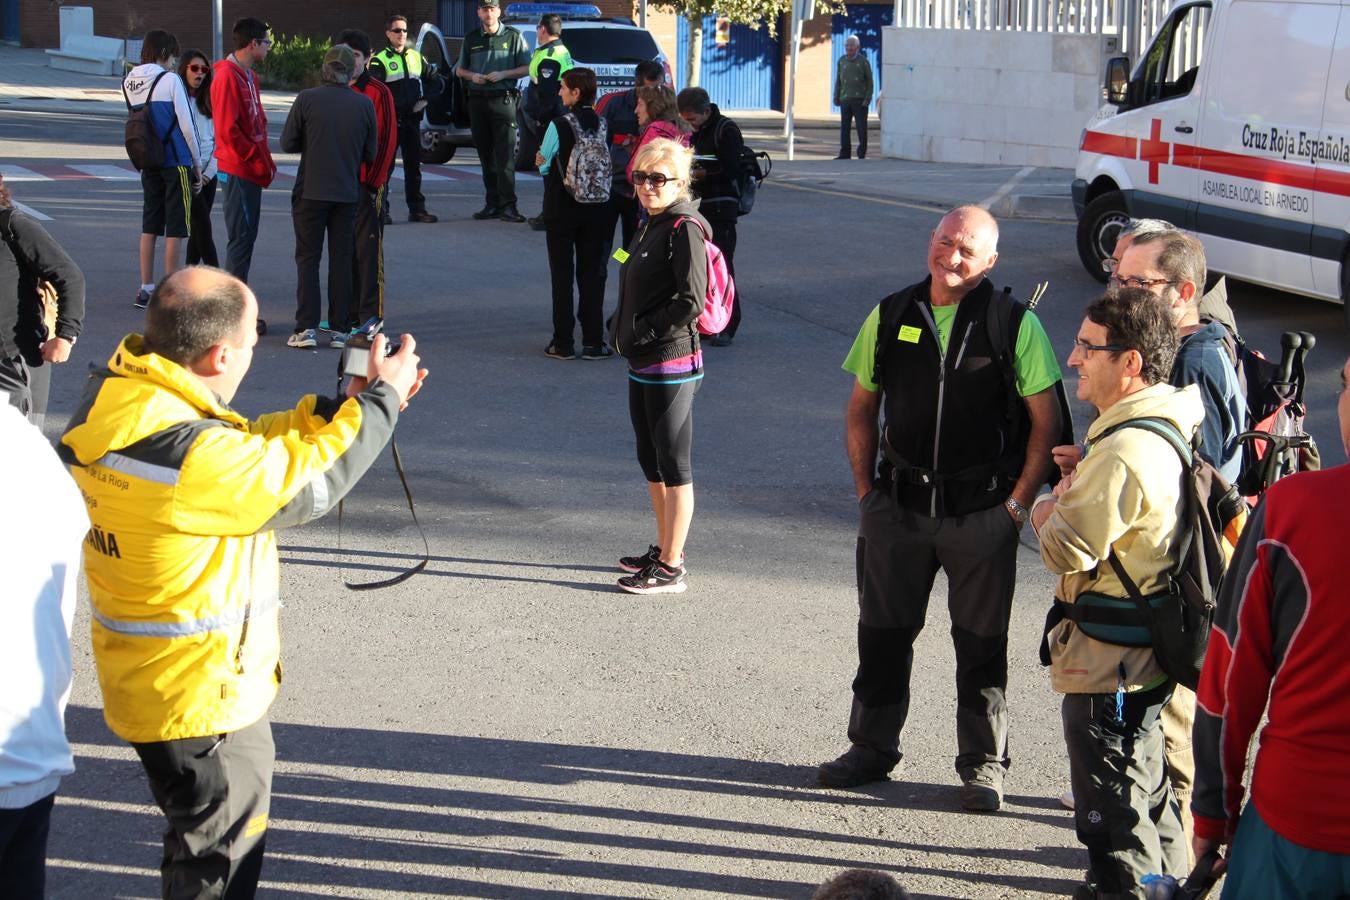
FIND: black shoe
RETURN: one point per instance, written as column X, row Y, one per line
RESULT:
column 982, row 791
column 857, row 766
column 657, row 578
column 422, row 216
column 596, row 351
column 862, row 154
column 386, row 218
column 142, row 299
column 634, row 564
column 537, row 223
column 842, row 156
column 557, row 352
column 509, row 213
column 488, row 212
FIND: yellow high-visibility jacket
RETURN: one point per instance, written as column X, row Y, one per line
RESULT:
column 184, row 495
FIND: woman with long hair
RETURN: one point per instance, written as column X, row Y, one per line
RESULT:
column 195, row 70
column 657, row 118
column 663, row 281
column 575, row 231
column 29, row 340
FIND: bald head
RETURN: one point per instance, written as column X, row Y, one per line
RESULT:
column 195, row 309
column 975, row 220
column 963, row 248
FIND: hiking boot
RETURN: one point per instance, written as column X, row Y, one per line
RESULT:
column 857, row 766
column 423, row 216
column 557, row 352
column 982, row 792
column 303, row 339
column 509, row 213
column 538, row 223
column 487, row 212
column 634, row 564
column 656, row 578
column 142, row 299
column 592, row 351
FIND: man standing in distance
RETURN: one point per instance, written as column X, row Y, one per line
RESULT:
column 245, row 163
column 185, row 496
column 550, row 61
column 402, row 69
column 966, row 444
column 853, row 95
column 491, row 59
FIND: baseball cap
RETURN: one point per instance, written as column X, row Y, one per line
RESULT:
column 342, row 55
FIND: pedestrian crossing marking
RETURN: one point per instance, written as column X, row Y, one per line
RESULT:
column 82, row 171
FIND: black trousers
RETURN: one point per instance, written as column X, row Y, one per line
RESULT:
column 26, row 387
column 216, row 793
column 899, row 554
column 368, row 259
column 857, row 111
column 313, row 219
column 625, row 210
column 23, row 848
column 410, row 145
column 663, row 427
column 577, row 249
column 724, row 236
column 201, row 247
column 492, row 119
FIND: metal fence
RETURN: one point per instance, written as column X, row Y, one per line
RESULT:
column 1134, row 21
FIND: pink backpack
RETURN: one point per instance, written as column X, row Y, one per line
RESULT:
column 721, row 288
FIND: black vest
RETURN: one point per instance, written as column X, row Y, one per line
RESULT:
column 952, row 442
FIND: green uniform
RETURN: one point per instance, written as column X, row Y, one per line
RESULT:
column 492, row 108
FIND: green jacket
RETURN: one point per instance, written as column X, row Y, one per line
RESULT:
column 853, row 80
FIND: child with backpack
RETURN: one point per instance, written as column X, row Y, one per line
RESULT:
column 575, row 162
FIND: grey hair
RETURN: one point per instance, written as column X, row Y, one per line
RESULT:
column 1140, row 227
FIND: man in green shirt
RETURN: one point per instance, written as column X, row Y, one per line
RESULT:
column 491, row 60
column 965, row 446
column 853, row 95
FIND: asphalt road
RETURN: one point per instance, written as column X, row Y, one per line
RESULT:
column 508, row 724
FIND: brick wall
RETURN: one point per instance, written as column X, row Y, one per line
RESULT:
column 191, row 22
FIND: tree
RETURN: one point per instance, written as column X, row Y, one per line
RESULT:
column 758, row 13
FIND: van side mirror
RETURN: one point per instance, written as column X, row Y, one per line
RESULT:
column 1117, row 81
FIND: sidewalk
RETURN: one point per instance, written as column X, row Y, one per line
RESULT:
column 28, row 83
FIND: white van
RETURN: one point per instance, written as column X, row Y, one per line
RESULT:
column 1234, row 125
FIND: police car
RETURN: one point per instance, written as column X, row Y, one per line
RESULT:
column 609, row 46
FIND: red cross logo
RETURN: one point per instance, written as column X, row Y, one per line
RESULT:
column 1154, row 150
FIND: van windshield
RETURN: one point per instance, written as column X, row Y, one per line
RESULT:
column 609, row 45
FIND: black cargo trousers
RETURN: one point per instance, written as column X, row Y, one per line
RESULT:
column 899, row 554
column 492, row 119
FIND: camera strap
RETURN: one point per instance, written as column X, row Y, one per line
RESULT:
column 426, row 547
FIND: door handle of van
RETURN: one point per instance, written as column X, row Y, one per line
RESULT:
column 1185, row 129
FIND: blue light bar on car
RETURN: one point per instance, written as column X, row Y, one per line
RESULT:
column 566, row 10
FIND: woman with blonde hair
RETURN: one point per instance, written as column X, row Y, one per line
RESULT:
column 663, row 279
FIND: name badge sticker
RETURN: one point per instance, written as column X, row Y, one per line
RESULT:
column 621, row 255
column 909, row 334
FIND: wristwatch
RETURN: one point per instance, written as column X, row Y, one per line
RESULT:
column 1019, row 512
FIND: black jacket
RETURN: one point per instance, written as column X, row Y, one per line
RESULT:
column 662, row 286
column 332, row 127
column 719, row 137
column 27, row 253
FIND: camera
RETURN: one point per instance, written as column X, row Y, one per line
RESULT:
column 356, row 355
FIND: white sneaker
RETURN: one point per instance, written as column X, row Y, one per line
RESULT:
column 303, row 339
column 1066, row 799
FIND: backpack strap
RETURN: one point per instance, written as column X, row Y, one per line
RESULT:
column 1003, row 322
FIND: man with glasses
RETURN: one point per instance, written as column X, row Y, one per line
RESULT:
column 966, row 443
column 402, row 69
column 244, row 161
column 1121, row 503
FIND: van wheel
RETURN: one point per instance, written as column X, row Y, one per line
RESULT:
column 440, row 153
column 1098, row 229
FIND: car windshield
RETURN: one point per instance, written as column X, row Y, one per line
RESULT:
column 609, row 45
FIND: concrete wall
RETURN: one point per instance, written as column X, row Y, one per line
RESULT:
column 994, row 97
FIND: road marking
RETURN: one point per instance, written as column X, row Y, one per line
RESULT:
column 885, row 201
column 288, row 170
column 19, row 173
column 107, row 173
column 28, row 210
column 1007, row 188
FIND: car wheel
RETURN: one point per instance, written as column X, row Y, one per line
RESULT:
column 435, row 152
column 1098, row 229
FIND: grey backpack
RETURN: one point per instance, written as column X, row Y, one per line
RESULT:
column 590, row 170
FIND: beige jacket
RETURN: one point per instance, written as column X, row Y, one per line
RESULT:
column 1126, row 494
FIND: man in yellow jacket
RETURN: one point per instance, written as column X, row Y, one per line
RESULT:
column 184, row 495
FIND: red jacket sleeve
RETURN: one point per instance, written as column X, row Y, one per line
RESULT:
column 376, row 174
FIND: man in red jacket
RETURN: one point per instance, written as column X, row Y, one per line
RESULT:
column 1277, row 651
column 368, row 278
column 244, row 161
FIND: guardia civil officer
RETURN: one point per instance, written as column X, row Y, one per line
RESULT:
column 491, row 59
column 541, row 105
column 402, row 69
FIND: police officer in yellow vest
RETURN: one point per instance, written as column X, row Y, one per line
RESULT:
column 491, row 59
column 402, row 69
column 550, row 60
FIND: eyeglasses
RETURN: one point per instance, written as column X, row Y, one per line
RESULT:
column 1084, row 347
column 398, row 31
column 197, row 68
column 1109, row 265
column 655, row 179
column 1133, row 281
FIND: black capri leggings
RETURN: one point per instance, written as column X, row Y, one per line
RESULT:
column 663, row 422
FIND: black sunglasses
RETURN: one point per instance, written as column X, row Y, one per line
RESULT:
column 398, row 31
column 655, row 179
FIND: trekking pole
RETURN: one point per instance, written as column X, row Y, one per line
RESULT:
column 1290, row 342
column 1300, row 376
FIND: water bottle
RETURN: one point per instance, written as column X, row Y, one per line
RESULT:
column 1158, row 887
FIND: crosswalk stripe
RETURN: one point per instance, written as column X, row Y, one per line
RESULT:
column 19, row 173
column 28, row 210
column 107, row 173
